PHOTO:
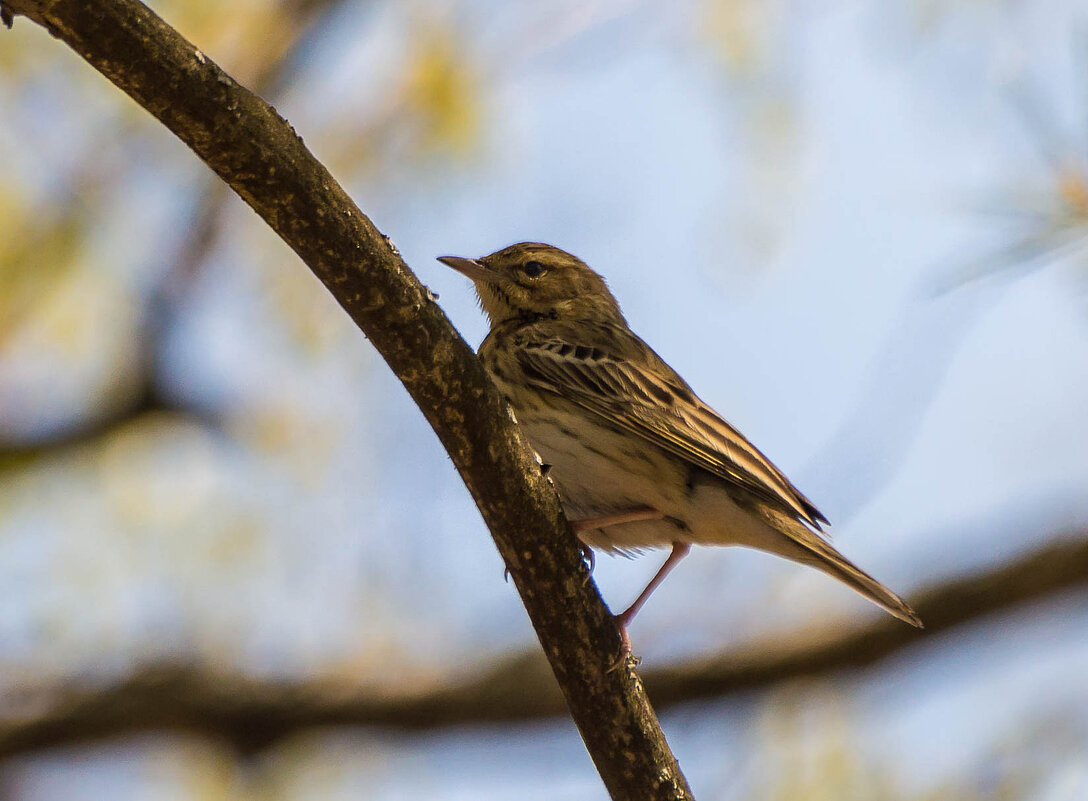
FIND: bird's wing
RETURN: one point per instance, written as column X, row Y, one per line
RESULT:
column 612, row 373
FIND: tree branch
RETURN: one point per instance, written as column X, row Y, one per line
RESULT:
column 255, row 151
column 253, row 714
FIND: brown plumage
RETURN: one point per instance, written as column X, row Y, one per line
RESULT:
column 638, row 459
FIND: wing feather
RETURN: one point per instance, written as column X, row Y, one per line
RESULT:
column 632, row 388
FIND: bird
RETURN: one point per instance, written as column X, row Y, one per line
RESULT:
column 638, row 459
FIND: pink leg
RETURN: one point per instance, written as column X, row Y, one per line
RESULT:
column 591, row 523
column 632, row 516
column 679, row 551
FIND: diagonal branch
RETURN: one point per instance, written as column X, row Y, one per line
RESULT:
column 261, row 157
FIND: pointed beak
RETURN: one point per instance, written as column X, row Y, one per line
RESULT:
column 469, row 267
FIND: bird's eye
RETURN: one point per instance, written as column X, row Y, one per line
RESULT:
column 533, row 269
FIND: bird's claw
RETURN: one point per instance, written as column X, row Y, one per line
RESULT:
column 625, row 658
column 589, row 559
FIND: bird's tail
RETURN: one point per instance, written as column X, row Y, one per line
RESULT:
column 809, row 548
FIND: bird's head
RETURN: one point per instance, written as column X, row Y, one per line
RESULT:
column 531, row 280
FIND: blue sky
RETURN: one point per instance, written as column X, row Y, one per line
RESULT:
column 775, row 232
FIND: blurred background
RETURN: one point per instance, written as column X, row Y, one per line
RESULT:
column 235, row 562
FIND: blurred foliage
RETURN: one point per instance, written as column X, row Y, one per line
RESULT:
column 813, row 754
column 56, row 247
column 210, row 495
column 441, row 92
column 743, row 33
column 429, row 110
column 927, row 16
column 751, row 42
column 37, row 253
column 244, row 37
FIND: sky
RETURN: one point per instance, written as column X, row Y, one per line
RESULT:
column 791, row 231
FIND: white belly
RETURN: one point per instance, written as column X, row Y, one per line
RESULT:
column 592, row 483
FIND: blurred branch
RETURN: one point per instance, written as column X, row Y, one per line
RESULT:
column 267, row 74
column 253, row 714
column 262, row 158
column 1037, row 575
column 100, row 428
column 269, row 69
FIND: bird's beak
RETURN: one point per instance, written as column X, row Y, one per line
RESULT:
column 469, row 267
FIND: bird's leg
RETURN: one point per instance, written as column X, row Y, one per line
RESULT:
column 630, row 516
column 679, row 551
column 591, row 523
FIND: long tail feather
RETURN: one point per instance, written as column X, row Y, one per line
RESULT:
column 804, row 546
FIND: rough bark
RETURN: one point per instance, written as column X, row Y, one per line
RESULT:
column 262, row 158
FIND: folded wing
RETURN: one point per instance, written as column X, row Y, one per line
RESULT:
column 610, row 372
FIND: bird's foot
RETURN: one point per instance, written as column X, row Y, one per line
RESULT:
column 625, row 657
column 589, row 559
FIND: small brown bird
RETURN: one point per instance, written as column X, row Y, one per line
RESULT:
column 638, row 459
